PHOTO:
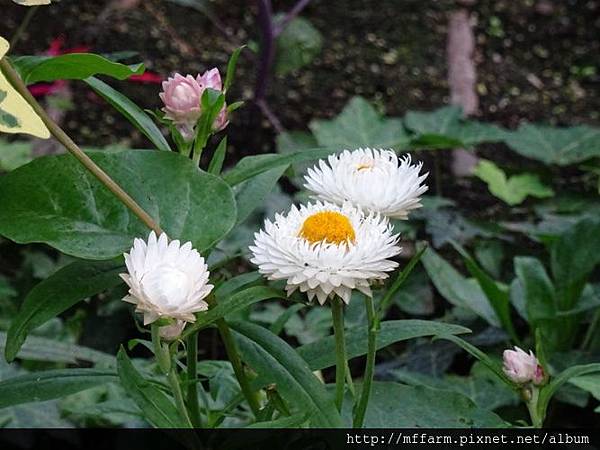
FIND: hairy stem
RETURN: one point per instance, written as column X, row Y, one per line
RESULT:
column 370, row 365
column 234, row 357
column 337, row 314
column 192, row 371
column 68, row 143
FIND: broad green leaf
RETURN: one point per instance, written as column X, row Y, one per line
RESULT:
column 14, row 154
column 293, row 142
column 573, row 256
column 297, row 385
column 56, row 294
column 447, row 128
column 297, row 45
column 250, row 166
column 16, row 115
column 496, row 293
column 321, row 354
column 457, row 289
column 485, row 359
column 511, row 190
column 155, row 405
column 72, row 66
column 51, row 384
column 360, row 125
column 37, row 348
column 589, row 383
column 394, row 405
column 560, row 146
column 548, row 391
column 56, row 201
column 485, row 390
column 538, row 290
column 131, row 111
column 252, row 193
column 229, row 305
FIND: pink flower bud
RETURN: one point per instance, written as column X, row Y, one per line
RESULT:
column 182, row 99
column 522, row 367
column 173, row 331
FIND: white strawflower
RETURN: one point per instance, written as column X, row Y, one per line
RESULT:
column 373, row 180
column 166, row 280
column 325, row 250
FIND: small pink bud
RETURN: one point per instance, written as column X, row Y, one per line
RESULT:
column 522, row 367
column 182, row 99
column 173, row 331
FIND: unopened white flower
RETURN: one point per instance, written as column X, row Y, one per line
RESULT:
column 166, row 280
column 373, row 180
column 325, row 250
column 522, row 367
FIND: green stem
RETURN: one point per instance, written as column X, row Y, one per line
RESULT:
column 337, row 313
column 537, row 419
column 199, row 145
column 168, row 366
column 64, row 139
column 238, row 368
column 192, row 390
column 370, row 365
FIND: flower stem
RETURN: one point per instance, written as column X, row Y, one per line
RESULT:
column 65, row 140
column 337, row 314
column 236, row 362
column 537, row 419
column 168, row 366
column 370, row 365
column 192, row 390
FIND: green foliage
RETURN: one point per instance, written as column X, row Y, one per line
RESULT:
column 511, row 190
column 558, row 146
column 267, row 353
column 360, row 125
column 72, row 66
column 70, row 210
column 297, row 45
column 14, row 154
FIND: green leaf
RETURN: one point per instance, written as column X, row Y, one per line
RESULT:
column 538, row 290
column 56, row 201
column 360, row 125
column 156, row 406
column 56, row 294
column 252, row 193
column 297, row 45
column 72, row 66
column 292, row 142
column 485, row 359
column 457, row 289
column 250, row 166
column 548, row 391
column 231, row 304
column 321, row 354
column 231, row 68
column 37, row 348
column 560, row 146
column 130, row 111
column 446, row 128
column 297, row 385
column 14, row 154
column 496, row 293
column 236, row 283
column 394, row 405
column 51, row 384
column 216, row 162
column 511, row 190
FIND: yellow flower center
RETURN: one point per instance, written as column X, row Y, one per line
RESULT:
column 364, row 166
column 327, row 226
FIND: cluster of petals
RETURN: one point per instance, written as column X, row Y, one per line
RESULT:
column 373, row 180
column 182, row 96
column 323, row 269
column 522, row 367
column 166, row 280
